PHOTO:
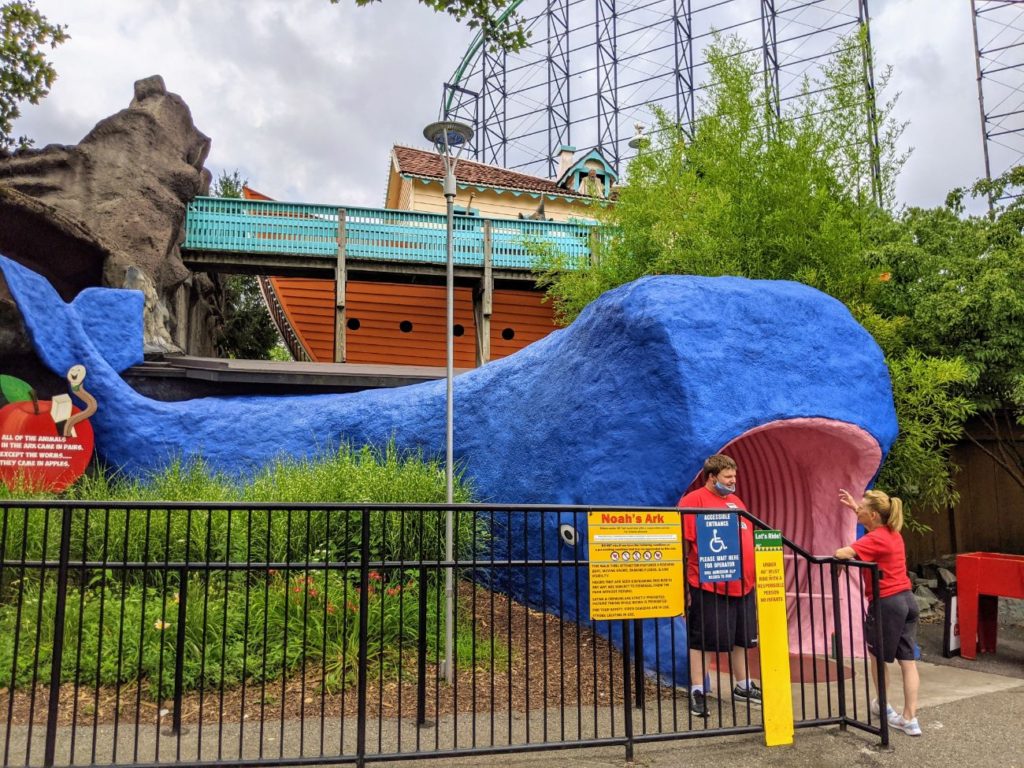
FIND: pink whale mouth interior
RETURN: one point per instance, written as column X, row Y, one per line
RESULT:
column 790, row 473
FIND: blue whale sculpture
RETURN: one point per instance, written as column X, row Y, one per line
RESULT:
column 619, row 408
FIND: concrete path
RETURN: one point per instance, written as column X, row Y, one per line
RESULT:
column 972, row 714
column 969, row 719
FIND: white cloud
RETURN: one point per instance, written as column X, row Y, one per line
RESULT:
column 931, row 48
column 305, row 98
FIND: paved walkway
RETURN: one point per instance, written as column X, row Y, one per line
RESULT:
column 970, row 717
column 982, row 731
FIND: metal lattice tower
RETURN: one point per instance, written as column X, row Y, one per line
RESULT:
column 999, row 58
column 593, row 68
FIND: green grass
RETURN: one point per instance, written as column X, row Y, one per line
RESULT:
column 121, row 624
column 349, row 476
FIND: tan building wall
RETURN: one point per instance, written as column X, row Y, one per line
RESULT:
column 427, row 195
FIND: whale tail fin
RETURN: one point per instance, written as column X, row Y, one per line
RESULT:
column 100, row 324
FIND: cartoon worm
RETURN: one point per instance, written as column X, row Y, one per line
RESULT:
column 76, row 375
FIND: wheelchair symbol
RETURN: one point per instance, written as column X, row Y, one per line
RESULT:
column 717, row 544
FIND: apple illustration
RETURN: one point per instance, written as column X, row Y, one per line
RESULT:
column 34, row 452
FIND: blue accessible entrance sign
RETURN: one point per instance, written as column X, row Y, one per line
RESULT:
column 718, row 547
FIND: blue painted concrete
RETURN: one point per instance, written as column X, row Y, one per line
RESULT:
column 619, row 408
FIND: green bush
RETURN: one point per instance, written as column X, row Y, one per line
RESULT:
column 257, row 623
column 349, row 476
column 237, row 627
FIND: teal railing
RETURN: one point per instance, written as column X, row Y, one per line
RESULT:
column 219, row 224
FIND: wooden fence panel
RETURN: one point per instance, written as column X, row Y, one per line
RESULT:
column 989, row 516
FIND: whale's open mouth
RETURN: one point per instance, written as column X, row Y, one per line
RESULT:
column 790, row 473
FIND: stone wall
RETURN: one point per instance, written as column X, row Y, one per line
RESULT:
column 110, row 211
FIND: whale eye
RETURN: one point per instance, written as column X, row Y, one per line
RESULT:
column 568, row 534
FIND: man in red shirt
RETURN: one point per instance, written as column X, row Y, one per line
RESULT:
column 720, row 616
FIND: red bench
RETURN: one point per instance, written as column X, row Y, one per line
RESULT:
column 981, row 579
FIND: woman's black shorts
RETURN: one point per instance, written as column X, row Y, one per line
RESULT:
column 719, row 622
column 899, row 627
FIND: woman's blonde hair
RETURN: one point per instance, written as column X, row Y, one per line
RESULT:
column 889, row 508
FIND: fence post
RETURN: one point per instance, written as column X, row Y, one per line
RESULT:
column 57, row 659
column 876, row 608
column 483, row 300
column 179, row 650
column 638, row 661
column 837, row 624
column 627, row 694
column 421, row 653
column 340, row 278
column 364, row 613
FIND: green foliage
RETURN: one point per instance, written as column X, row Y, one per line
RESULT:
column 121, row 625
column 249, row 333
column 25, row 74
column 359, row 476
column 279, row 352
column 14, row 390
column 120, row 633
column 848, row 120
column 748, row 193
column 931, row 416
column 957, row 279
column 503, row 32
column 795, row 198
column 229, row 185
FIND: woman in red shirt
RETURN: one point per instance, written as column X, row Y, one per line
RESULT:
column 882, row 517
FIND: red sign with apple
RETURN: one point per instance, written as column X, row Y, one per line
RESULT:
column 45, row 445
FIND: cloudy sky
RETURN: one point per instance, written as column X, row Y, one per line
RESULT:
column 305, row 98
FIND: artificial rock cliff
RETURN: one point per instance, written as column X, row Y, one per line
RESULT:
column 110, row 211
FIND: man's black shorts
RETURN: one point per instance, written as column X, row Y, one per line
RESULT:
column 899, row 627
column 719, row 622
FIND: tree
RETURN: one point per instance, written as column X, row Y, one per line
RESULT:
column 959, row 279
column 249, row 333
column 747, row 193
column 25, row 74
column 792, row 196
column 504, row 30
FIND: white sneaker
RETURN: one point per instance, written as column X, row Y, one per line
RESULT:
column 890, row 714
column 911, row 727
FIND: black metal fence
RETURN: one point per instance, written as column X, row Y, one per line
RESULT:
column 257, row 634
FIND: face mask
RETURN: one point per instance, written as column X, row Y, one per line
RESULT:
column 724, row 490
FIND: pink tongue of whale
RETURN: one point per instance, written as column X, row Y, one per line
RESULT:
column 790, row 473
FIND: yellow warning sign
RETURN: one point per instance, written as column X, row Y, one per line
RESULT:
column 636, row 565
column 773, row 637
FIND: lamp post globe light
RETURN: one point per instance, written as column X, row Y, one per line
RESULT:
column 639, row 141
column 449, row 138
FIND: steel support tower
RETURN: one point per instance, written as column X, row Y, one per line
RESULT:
column 593, row 68
column 999, row 63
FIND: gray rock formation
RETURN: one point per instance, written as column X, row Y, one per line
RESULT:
column 87, row 214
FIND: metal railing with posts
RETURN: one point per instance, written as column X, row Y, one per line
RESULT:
column 230, row 634
column 313, row 232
